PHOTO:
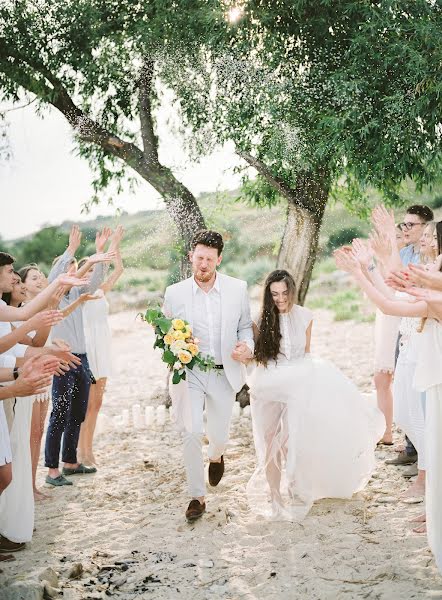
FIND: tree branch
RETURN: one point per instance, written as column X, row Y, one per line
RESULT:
column 150, row 139
column 279, row 184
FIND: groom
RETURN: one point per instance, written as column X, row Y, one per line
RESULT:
column 217, row 308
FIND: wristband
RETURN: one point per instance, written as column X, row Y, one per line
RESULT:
column 15, row 372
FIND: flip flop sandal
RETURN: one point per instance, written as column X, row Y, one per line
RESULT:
column 80, row 470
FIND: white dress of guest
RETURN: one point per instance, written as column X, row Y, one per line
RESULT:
column 5, row 445
column 385, row 334
column 407, row 401
column 17, row 501
column 98, row 337
column 312, row 428
column 428, row 378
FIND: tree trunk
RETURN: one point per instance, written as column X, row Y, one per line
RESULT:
column 299, row 243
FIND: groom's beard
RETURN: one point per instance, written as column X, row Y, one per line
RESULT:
column 204, row 276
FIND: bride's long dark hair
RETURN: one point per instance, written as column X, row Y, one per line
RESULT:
column 269, row 338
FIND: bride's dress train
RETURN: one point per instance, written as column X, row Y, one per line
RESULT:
column 314, row 433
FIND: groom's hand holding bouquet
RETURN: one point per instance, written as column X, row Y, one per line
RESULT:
column 180, row 349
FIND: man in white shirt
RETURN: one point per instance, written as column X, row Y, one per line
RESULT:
column 217, row 308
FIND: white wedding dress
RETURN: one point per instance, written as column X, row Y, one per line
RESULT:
column 314, row 433
column 428, row 378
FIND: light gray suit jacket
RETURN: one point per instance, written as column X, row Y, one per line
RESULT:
column 236, row 322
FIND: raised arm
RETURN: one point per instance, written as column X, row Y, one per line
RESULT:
column 383, row 220
column 397, row 308
column 118, row 263
column 41, row 320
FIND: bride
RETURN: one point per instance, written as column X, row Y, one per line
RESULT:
column 314, row 433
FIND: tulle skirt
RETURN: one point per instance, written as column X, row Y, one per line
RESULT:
column 314, row 434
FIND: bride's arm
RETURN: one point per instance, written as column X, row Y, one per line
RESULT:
column 308, row 337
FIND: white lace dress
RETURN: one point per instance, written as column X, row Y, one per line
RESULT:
column 314, row 433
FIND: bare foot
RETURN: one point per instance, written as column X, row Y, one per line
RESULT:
column 420, row 529
column 39, row 496
column 414, row 491
column 88, row 460
column 419, row 519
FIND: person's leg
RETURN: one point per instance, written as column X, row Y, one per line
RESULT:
column 62, row 389
column 39, row 412
column 219, row 403
column 5, row 476
column 382, row 382
column 192, row 440
column 76, row 415
column 87, row 431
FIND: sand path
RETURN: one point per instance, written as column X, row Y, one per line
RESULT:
column 125, row 524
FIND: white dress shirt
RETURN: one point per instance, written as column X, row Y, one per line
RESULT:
column 207, row 320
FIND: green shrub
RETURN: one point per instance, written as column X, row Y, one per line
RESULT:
column 436, row 202
column 342, row 237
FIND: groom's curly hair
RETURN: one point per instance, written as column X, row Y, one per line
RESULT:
column 269, row 338
column 209, row 238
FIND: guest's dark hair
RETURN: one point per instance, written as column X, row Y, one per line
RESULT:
column 439, row 239
column 24, row 271
column 7, row 297
column 269, row 338
column 422, row 211
column 6, row 259
column 207, row 237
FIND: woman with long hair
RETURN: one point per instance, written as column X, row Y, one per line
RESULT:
column 314, row 433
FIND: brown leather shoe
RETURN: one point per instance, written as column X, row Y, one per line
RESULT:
column 195, row 510
column 216, row 472
column 7, row 546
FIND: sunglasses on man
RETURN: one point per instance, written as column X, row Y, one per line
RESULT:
column 408, row 226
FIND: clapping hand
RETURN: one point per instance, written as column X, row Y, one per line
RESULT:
column 74, row 240
column 383, row 220
column 45, row 318
column 380, row 244
column 362, row 253
column 101, row 239
column 419, row 275
column 399, row 280
column 242, row 352
column 102, row 257
column 345, row 261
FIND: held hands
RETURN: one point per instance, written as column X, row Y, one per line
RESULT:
column 242, row 353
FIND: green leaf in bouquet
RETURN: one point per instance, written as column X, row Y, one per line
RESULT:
column 152, row 314
column 164, row 324
column 191, row 364
column 169, row 357
column 176, row 377
column 159, row 343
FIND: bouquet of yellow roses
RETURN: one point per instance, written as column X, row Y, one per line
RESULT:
column 180, row 349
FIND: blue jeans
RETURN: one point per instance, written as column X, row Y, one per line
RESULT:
column 70, row 393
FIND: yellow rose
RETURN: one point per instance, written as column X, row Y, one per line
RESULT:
column 168, row 339
column 178, row 324
column 185, row 357
column 193, row 349
column 179, row 335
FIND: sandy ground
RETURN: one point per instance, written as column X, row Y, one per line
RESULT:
column 122, row 531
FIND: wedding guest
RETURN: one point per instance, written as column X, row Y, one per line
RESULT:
column 416, row 218
column 98, row 349
column 428, row 378
column 70, row 392
column 301, row 407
